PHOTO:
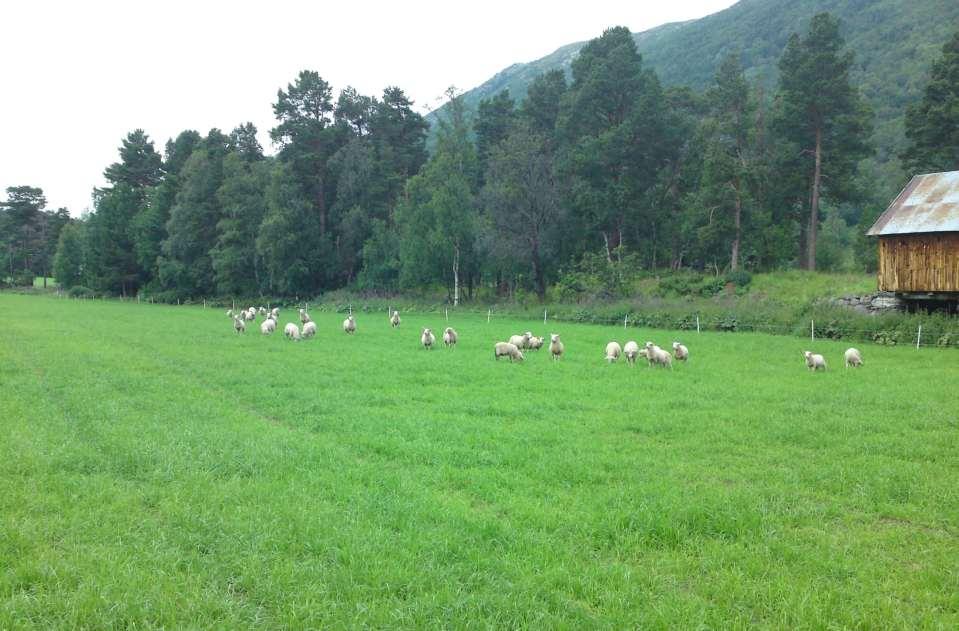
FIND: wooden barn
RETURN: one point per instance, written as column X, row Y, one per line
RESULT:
column 919, row 239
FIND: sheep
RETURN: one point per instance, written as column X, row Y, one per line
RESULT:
column 275, row 312
column 250, row 314
column 268, row 326
column 262, row 311
column 238, row 324
column 428, row 339
column 450, row 337
column 613, row 351
column 556, row 347
column 656, row 355
column 395, row 319
column 631, row 351
column 521, row 341
column 305, row 317
column 349, row 325
column 291, row 331
column 680, row 352
column 309, row 329
column 535, row 343
column 229, row 313
column 814, row 361
column 506, row 349
column 853, row 358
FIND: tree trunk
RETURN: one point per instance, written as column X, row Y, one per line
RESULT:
column 538, row 276
column 609, row 257
column 737, row 223
column 814, row 202
column 456, row 275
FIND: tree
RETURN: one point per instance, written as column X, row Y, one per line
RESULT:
column 70, row 259
column 494, row 118
column 139, row 165
column 541, row 107
column 522, row 203
column 20, row 219
column 112, row 263
column 932, row 126
column 242, row 200
column 243, row 142
column 823, row 116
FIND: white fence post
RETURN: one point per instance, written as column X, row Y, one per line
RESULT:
column 488, row 314
column 697, row 324
column 918, row 336
column 544, row 316
column 447, row 314
column 812, row 330
column 625, row 320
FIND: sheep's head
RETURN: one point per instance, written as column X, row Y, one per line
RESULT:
column 448, row 330
column 649, row 345
column 676, row 345
column 554, row 337
column 518, row 355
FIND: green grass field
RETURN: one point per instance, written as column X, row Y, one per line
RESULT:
column 158, row 470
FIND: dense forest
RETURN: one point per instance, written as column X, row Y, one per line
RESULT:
column 603, row 168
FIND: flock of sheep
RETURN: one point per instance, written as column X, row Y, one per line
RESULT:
column 512, row 349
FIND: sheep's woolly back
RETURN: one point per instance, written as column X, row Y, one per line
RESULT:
column 853, row 358
column 814, row 361
column 309, row 329
column 613, row 351
column 507, row 349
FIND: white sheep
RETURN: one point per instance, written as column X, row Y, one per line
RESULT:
column 395, row 319
column 275, row 312
column 556, row 347
column 631, row 351
column 507, row 349
column 521, row 341
column 229, row 313
column 250, row 314
column 656, row 355
column 428, row 339
column 349, row 325
column 267, row 326
column 305, row 317
column 613, row 351
column 680, row 352
column 291, row 331
column 309, row 329
column 238, row 324
column 853, row 358
column 814, row 361
column 450, row 337
column 535, row 343
column 262, row 311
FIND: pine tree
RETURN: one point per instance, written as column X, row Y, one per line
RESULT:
column 932, row 126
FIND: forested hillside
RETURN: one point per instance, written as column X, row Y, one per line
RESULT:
column 594, row 178
column 894, row 41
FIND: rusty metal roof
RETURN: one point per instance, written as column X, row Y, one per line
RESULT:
column 929, row 203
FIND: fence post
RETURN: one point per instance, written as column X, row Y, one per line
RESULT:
column 625, row 320
column 544, row 317
column 488, row 314
column 918, row 336
column 812, row 330
column 697, row 324
column 351, row 308
column 447, row 314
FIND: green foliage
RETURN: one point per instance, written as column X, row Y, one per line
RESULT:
column 79, row 291
column 932, row 125
column 139, row 165
column 68, row 265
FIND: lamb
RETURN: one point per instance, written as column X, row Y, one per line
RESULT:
column 428, row 339
column 395, row 319
column 521, row 341
column 349, row 325
column 506, row 349
column 853, row 358
column 305, row 317
column 656, row 355
column 556, row 347
column 535, row 343
column 631, row 351
column 268, row 326
column 450, row 337
column 291, row 331
column 613, row 351
column 680, row 352
column 814, row 361
column 238, row 324
column 309, row 329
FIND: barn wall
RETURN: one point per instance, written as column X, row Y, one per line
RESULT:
column 919, row 262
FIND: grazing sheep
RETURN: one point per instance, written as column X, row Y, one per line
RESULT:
column 275, row 312
column 680, row 352
column 309, row 329
column 556, row 347
column 238, row 324
column 349, row 325
column 613, row 351
column 250, row 314
column 305, row 317
column 521, row 341
column 631, row 351
column 450, row 337
column 506, row 349
column 229, row 313
column 656, row 355
column 268, row 326
column 814, row 361
column 262, row 311
column 291, row 331
column 395, row 319
column 535, row 343
column 853, row 358
column 428, row 339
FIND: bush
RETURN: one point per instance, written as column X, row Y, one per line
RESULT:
column 24, row 279
column 79, row 291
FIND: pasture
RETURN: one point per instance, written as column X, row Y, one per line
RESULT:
column 158, row 470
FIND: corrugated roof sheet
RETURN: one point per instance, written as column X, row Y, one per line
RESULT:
column 929, row 203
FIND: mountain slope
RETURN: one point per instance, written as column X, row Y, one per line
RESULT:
column 894, row 43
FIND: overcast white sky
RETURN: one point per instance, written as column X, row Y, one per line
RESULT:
column 77, row 76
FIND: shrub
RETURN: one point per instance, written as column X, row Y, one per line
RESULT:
column 79, row 291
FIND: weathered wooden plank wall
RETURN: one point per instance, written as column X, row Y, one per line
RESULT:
column 919, row 262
